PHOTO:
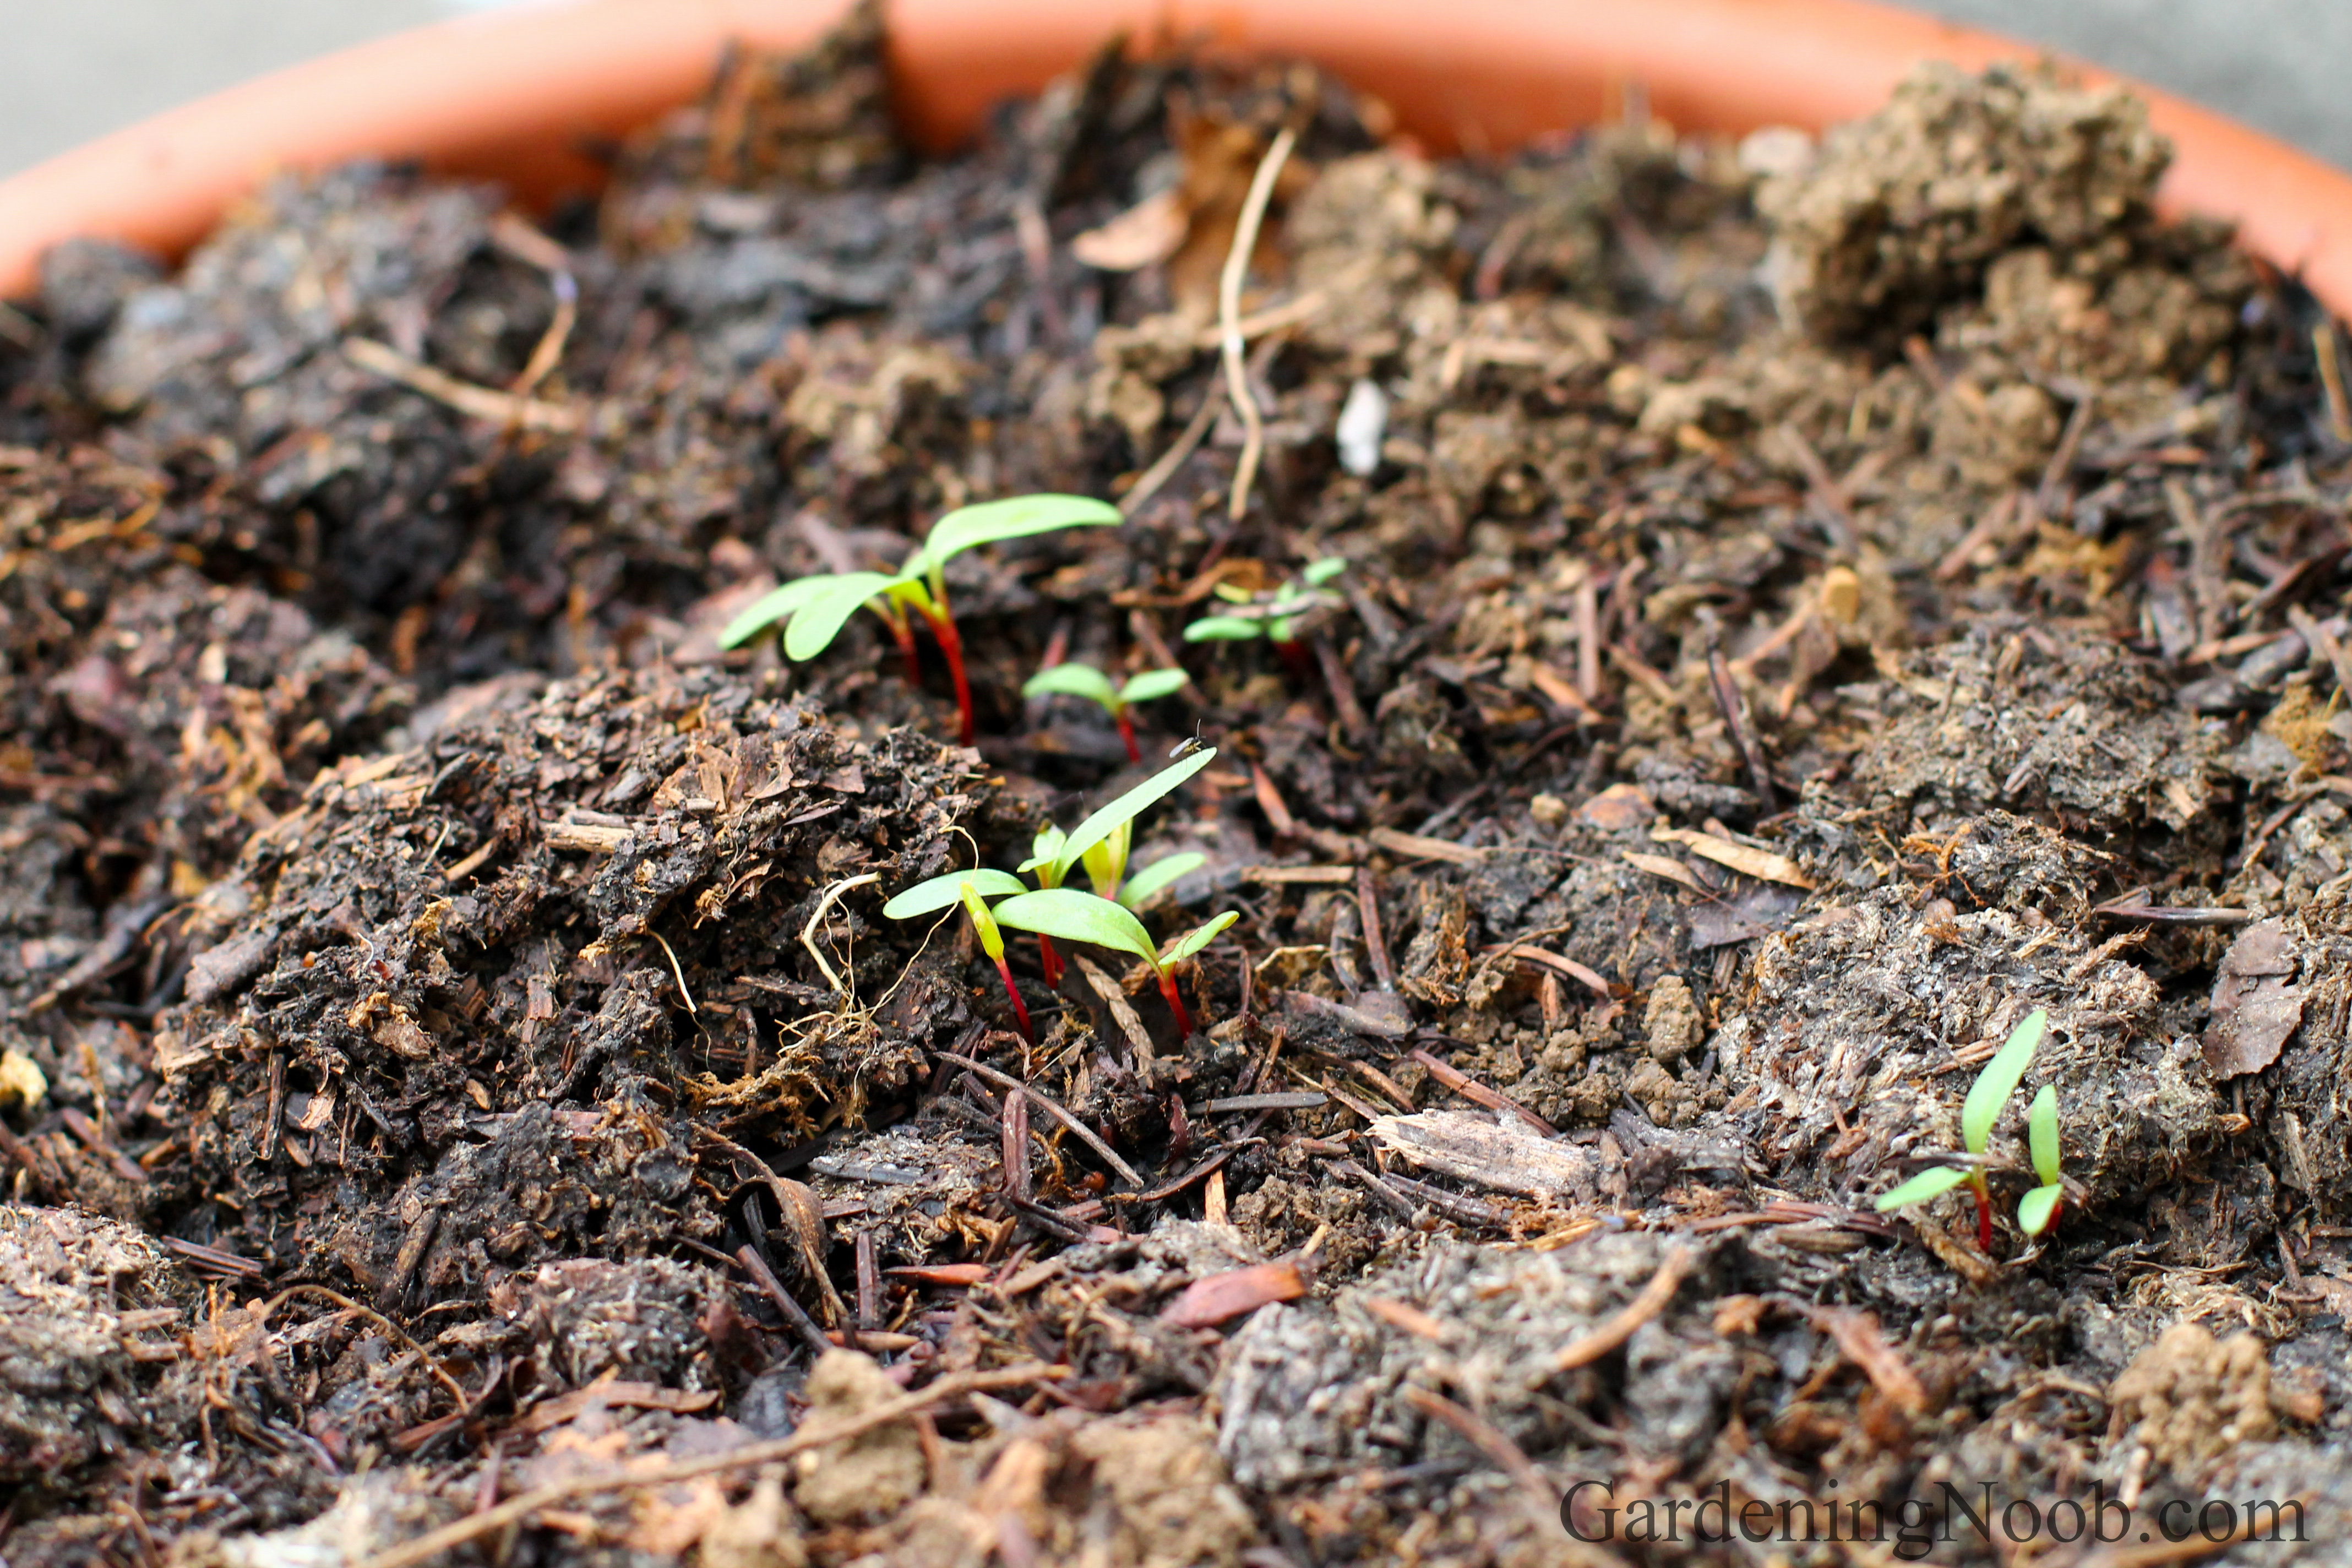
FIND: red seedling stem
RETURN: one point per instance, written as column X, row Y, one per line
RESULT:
column 1127, row 733
column 1020, row 1009
column 1176, row 1004
column 1984, row 1215
column 903, row 629
column 1050, row 960
column 1295, row 660
column 943, row 627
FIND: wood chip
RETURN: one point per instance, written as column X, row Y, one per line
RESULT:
column 1278, row 876
column 1305, row 1099
column 1503, row 1156
column 1762, row 864
column 943, row 1273
column 1558, row 963
column 1208, row 1302
column 474, row 402
column 2256, row 1004
column 1413, row 846
column 1122, row 1011
column 610, row 1393
column 594, row 837
column 1858, row 1338
column 1641, row 1309
column 1665, row 865
column 1412, row 1320
column 1463, row 1084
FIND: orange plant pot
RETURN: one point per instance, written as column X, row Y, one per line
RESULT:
column 521, row 96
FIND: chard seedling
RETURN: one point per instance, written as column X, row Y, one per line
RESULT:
column 972, row 889
column 1276, row 618
column 1075, row 916
column 2038, row 1210
column 813, row 610
column 1100, row 844
column 1134, row 892
column 1978, row 1112
column 1085, row 681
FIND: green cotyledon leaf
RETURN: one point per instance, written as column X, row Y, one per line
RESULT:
column 2000, row 1079
column 2042, row 1134
column 1104, row 822
column 1154, row 878
column 1074, row 916
column 941, row 892
column 1073, row 680
column 1152, row 685
column 827, row 608
column 1928, row 1184
column 1015, row 517
column 1200, row 936
column 774, row 606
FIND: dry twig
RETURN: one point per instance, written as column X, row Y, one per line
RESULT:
column 1641, row 1309
column 1079, row 1129
column 474, row 402
column 1229, row 314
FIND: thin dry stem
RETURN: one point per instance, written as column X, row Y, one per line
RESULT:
column 1229, row 314
column 816, row 917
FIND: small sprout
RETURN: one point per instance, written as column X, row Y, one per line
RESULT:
column 1085, row 681
column 1275, row 618
column 1978, row 1112
column 2039, row 1208
column 972, row 889
column 815, row 609
column 1075, row 916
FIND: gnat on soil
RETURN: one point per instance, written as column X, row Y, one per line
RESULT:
column 1712, row 640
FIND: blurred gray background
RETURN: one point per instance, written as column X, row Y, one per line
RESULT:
column 72, row 72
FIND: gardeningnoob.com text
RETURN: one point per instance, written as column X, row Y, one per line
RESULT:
column 1590, row 1511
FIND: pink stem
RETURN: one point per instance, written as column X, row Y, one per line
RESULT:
column 1984, row 1215
column 903, row 630
column 1127, row 733
column 1020, row 1009
column 1176, row 1004
column 1051, row 960
column 943, row 626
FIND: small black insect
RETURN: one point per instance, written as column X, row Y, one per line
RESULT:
column 1188, row 745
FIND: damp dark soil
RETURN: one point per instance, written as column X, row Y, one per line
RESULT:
column 1807, row 604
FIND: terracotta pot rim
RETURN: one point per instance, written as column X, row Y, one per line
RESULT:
column 519, row 95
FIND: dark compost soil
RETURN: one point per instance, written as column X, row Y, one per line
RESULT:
column 1807, row 606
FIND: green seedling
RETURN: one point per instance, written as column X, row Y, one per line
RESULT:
column 813, row 610
column 972, row 889
column 2038, row 1210
column 1275, row 619
column 1074, row 916
column 1085, row 681
column 1978, row 1112
column 1100, row 846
